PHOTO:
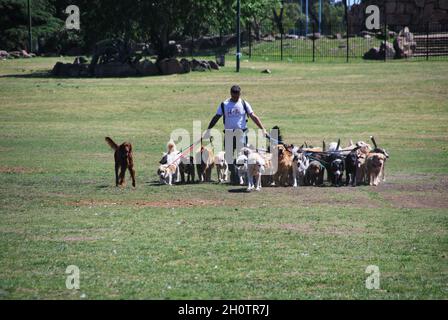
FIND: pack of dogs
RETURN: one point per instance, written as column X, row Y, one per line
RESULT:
column 296, row 166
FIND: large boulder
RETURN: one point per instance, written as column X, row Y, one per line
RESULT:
column 387, row 49
column 213, row 65
column 404, row 44
column 200, row 65
column 147, row 68
column 114, row 69
column 373, row 54
column 4, row 54
column 169, row 66
column 69, row 70
column 186, row 67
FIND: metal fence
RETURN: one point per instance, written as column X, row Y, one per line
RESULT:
column 417, row 42
column 423, row 42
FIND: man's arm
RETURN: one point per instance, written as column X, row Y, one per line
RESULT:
column 211, row 125
column 257, row 121
column 213, row 121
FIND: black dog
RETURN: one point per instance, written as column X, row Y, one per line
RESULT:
column 350, row 168
column 187, row 167
column 336, row 171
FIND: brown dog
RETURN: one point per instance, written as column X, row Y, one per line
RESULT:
column 123, row 160
column 375, row 167
column 205, row 163
column 283, row 176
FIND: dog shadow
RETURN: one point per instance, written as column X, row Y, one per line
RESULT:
column 238, row 190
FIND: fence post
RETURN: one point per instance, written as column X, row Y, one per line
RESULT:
column 427, row 41
column 346, row 33
column 314, row 39
column 250, row 41
column 281, row 46
column 385, row 37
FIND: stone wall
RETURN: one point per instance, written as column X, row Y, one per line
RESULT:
column 403, row 12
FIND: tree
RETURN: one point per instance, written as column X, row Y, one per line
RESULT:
column 14, row 22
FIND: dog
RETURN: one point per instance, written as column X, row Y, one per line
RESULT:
column 283, row 176
column 315, row 174
column 255, row 169
column 241, row 167
column 186, row 167
column 167, row 172
column 222, row 166
column 336, row 170
column 124, row 160
column 361, row 169
column 375, row 166
column 350, row 167
column 205, row 164
column 300, row 165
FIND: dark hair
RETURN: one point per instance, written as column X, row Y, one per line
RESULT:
column 235, row 89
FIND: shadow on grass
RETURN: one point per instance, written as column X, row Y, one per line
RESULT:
column 238, row 190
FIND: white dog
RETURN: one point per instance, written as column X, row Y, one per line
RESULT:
column 300, row 165
column 221, row 166
column 241, row 167
column 169, row 169
column 255, row 169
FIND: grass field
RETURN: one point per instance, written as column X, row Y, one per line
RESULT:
column 59, row 205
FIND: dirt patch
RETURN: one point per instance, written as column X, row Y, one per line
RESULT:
column 19, row 170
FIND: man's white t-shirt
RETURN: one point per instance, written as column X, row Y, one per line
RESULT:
column 235, row 116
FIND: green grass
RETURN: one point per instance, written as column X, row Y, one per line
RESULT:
column 59, row 206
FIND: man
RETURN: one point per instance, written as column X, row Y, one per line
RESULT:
column 235, row 112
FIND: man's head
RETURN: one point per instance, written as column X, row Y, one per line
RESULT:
column 235, row 92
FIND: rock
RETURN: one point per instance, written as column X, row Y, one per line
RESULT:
column 404, row 44
column 269, row 38
column 15, row 54
column 146, row 68
column 67, row 70
column 199, row 65
column 25, row 54
column 80, row 60
column 313, row 36
column 291, row 36
column 213, row 65
column 114, row 69
column 373, row 54
column 338, row 36
column 221, row 60
column 387, row 48
column 186, row 67
column 4, row 54
column 266, row 71
column 169, row 66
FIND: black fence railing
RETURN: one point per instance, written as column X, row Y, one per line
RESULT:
column 425, row 41
column 414, row 42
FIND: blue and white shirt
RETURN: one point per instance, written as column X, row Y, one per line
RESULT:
column 235, row 115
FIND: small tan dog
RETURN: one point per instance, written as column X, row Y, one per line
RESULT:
column 283, row 175
column 205, row 158
column 361, row 168
column 375, row 167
